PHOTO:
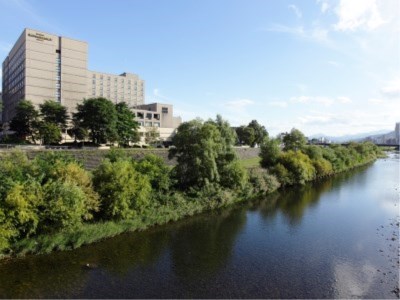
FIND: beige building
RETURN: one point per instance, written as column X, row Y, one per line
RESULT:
column 159, row 116
column 42, row 66
column 126, row 87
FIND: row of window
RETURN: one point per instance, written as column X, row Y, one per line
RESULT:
column 149, row 116
column 149, row 124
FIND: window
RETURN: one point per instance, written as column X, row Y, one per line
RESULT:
column 147, row 124
column 141, row 123
column 156, row 124
column 148, row 116
column 157, row 116
column 140, row 115
column 58, row 51
column 164, row 110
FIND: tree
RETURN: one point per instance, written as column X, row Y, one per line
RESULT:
column 99, row 117
column 26, row 121
column 270, row 151
column 295, row 140
column 259, row 132
column 50, row 133
column 54, row 113
column 246, row 135
column 205, row 155
column 127, row 127
column 152, row 135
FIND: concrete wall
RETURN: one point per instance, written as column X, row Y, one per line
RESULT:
column 92, row 158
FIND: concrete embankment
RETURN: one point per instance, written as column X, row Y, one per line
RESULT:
column 91, row 158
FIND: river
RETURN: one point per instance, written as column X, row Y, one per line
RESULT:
column 337, row 238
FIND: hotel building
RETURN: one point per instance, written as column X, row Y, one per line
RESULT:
column 42, row 66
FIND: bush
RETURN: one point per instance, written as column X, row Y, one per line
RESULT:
column 123, row 190
column 157, row 171
column 65, row 206
column 262, row 181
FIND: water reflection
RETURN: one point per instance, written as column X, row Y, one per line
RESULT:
column 242, row 251
column 205, row 247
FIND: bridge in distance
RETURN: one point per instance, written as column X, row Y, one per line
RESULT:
column 396, row 146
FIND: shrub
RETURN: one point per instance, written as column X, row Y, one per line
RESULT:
column 157, row 171
column 124, row 191
column 262, row 181
column 65, row 206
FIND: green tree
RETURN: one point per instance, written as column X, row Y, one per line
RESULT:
column 205, row 155
column 50, row 133
column 26, row 121
column 127, row 127
column 77, row 132
column 157, row 171
column 270, row 151
column 54, row 113
column 259, row 132
column 246, row 135
column 124, row 192
column 295, row 140
column 152, row 135
column 99, row 117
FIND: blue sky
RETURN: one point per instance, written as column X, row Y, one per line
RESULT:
column 322, row 66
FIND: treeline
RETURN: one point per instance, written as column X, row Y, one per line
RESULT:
column 97, row 119
column 292, row 161
column 52, row 202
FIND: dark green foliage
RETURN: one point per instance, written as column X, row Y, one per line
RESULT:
column 26, row 121
column 49, row 133
column 270, row 151
column 295, row 140
column 54, row 113
column 246, row 135
column 127, row 127
column 205, row 155
column 99, row 117
column 157, row 171
column 259, row 132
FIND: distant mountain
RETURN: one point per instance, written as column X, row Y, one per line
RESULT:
column 351, row 137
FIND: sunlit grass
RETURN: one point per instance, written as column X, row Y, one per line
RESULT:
column 250, row 162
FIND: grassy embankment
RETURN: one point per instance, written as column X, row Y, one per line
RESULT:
column 175, row 206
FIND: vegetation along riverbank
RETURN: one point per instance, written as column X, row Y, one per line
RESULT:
column 52, row 203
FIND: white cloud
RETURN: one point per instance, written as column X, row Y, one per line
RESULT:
column 312, row 100
column 326, row 101
column 157, row 95
column 343, row 99
column 358, row 14
column 296, row 10
column 324, row 5
column 281, row 104
column 392, row 88
column 238, row 104
column 375, row 101
column 315, row 34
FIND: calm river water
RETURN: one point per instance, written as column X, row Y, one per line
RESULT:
column 332, row 239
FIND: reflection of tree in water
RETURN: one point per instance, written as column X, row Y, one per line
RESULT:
column 205, row 246
column 125, row 252
column 293, row 201
column 43, row 276
column 61, row 274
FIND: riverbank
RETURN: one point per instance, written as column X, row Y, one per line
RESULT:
column 51, row 203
